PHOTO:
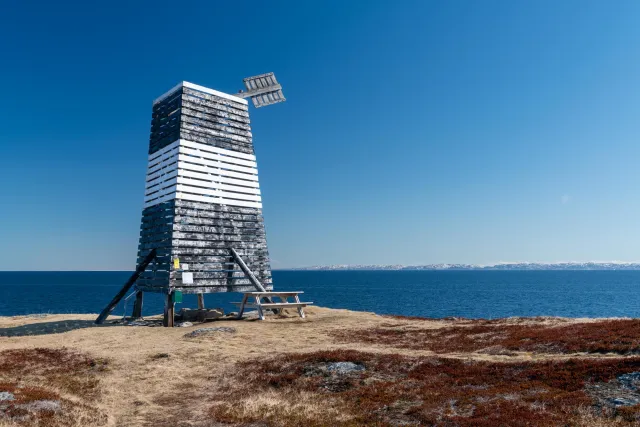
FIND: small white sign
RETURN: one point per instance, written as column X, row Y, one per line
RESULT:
column 185, row 266
column 187, row 278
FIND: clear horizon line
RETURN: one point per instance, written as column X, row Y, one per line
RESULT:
column 345, row 266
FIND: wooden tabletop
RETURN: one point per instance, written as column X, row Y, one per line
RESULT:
column 274, row 293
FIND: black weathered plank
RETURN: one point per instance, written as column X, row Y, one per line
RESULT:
column 236, row 231
column 214, row 124
column 225, row 143
column 216, row 207
column 201, row 213
column 206, row 289
column 218, row 237
column 213, row 115
column 215, row 274
column 207, row 132
column 188, row 103
column 162, row 282
column 216, row 102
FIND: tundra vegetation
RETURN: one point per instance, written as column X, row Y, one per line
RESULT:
column 335, row 368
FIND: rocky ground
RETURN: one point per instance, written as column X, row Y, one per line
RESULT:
column 334, row 368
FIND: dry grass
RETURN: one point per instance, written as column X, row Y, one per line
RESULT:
column 607, row 336
column 51, row 387
column 270, row 373
column 397, row 390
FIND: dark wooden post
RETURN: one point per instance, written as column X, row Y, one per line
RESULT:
column 169, row 311
column 137, row 306
column 200, row 301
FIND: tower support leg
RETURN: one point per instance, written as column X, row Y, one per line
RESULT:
column 109, row 308
column 201, row 301
column 169, row 311
column 137, row 306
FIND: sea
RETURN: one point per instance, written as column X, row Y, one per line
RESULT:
column 435, row 294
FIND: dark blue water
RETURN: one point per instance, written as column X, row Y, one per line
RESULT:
column 475, row 294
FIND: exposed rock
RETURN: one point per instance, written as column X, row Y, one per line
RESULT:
column 200, row 315
column 344, row 367
column 630, row 380
column 138, row 323
column 26, row 411
column 338, row 376
column 334, row 369
column 5, row 395
column 42, row 405
column 619, row 401
column 622, row 391
column 206, row 331
column 253, row 313
column 184, row 324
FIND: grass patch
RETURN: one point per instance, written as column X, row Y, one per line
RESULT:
column 294, row 390
column 48, row 387
column 610, row 336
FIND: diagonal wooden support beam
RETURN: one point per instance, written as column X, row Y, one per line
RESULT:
column 252, row 278
column 109, row 308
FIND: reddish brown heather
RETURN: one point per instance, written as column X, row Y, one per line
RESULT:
column 44, row 374
column 252, row 378
column 609, row 336
column 399, row 390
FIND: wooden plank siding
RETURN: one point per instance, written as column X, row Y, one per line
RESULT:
column 202, row 195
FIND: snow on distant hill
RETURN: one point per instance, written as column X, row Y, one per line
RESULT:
column 613, row 265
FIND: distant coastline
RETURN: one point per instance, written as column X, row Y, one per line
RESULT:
column 527, row 266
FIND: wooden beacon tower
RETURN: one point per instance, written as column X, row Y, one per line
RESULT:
column 202, row 229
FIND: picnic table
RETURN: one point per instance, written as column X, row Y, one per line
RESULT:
column 260, row 305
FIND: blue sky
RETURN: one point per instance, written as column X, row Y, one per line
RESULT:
column 414, row 131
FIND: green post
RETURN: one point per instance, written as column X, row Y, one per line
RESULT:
column 177, row 296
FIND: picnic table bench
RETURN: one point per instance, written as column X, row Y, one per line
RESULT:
column 270, row 304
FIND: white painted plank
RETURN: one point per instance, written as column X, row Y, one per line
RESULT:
column 216, row 171
column 218, row 157
column 217, row 186
column 154, row 186
column 166, row 174
column 163, row 150
column 168, row 164
column 201, row 172
column 212, row 149
column 175, row 186
column 160, row 191
column 216, row 163
column 182, row 188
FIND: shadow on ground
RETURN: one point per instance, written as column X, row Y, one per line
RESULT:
column 50, row 328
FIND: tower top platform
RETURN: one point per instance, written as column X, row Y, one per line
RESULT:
column 201, row 89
